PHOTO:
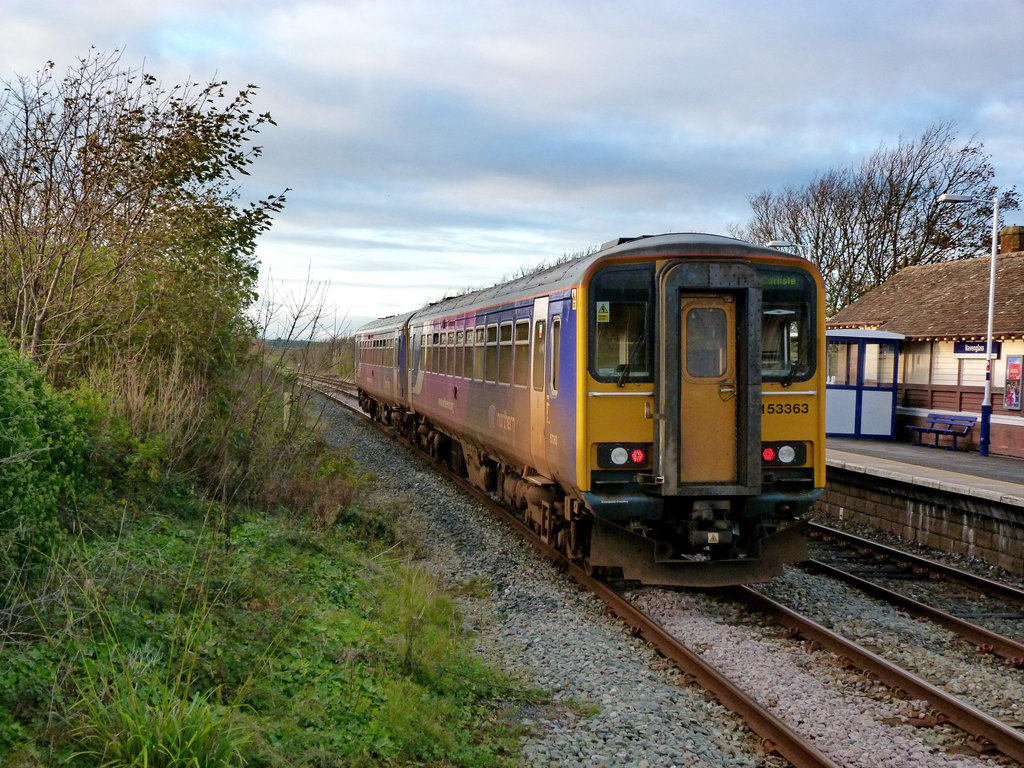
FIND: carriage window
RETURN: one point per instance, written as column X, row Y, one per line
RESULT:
column 621, row 316
column 788, row 337
column 505, row 355
column 478, row 355
column 492, row 353
column 521, row 374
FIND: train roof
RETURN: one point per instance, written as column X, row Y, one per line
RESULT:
column 572, row 272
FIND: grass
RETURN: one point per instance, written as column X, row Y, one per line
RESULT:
column 289, row 644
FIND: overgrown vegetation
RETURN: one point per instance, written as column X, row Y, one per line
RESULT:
column 189, row 575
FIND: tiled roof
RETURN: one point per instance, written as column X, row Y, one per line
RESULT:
column 947, row 300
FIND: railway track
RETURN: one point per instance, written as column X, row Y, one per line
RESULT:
column 779, row 737
column 982, row 611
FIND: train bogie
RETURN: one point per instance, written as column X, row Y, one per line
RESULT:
column 653, row 408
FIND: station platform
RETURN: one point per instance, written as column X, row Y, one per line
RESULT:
column 998, row 479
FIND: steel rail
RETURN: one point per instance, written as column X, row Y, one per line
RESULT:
column 980, row 582
column 777, row 736
column 972, row 633
column 970, row 719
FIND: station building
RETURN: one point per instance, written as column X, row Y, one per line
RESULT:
column 941, row 311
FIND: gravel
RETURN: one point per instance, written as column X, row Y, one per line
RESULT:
column 613, row 700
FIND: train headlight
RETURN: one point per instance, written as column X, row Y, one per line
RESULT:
column 788, row 454
column 623, row 455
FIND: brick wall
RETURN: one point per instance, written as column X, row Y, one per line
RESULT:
column 943, row 521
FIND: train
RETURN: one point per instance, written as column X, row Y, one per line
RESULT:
column 654, row 410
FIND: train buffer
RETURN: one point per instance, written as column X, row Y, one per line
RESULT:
column 940, row 424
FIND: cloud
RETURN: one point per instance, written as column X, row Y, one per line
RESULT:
column 439, row 145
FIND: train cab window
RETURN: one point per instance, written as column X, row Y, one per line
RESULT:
column 556, row 339
column 491, row 372
column 521, row 366
column 539, row 347
column 788, row 339
column 621, row 318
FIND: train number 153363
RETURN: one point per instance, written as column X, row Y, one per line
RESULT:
column 785, row 408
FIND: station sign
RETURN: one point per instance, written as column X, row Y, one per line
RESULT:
column 976, row 349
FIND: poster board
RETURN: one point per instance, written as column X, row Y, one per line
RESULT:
column 1011, row 395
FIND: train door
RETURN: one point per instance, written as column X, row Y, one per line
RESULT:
column 707, row 405
column 708, row 391
column 538, row 388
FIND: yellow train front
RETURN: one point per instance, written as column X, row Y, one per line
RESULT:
column 702, row 408
column 655, row 408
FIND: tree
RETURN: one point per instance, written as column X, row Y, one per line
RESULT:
column 119, row 225
column 862, row 225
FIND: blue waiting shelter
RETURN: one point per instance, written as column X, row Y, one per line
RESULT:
column 861, row 389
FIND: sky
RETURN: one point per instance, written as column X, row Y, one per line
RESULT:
column 438, row 145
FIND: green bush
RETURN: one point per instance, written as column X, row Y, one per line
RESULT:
column 45, row 444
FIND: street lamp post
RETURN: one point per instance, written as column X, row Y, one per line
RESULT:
column 986, row 403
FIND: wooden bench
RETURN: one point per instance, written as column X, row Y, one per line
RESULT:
column 940, row 424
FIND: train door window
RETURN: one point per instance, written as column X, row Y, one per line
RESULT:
column 539, row 347
column 788, row 340
column 621, row 316
column 556, row 339
column 521, row 372
column 491, row 372
column 459, row 354
column 707, row 342
column 505, row 355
